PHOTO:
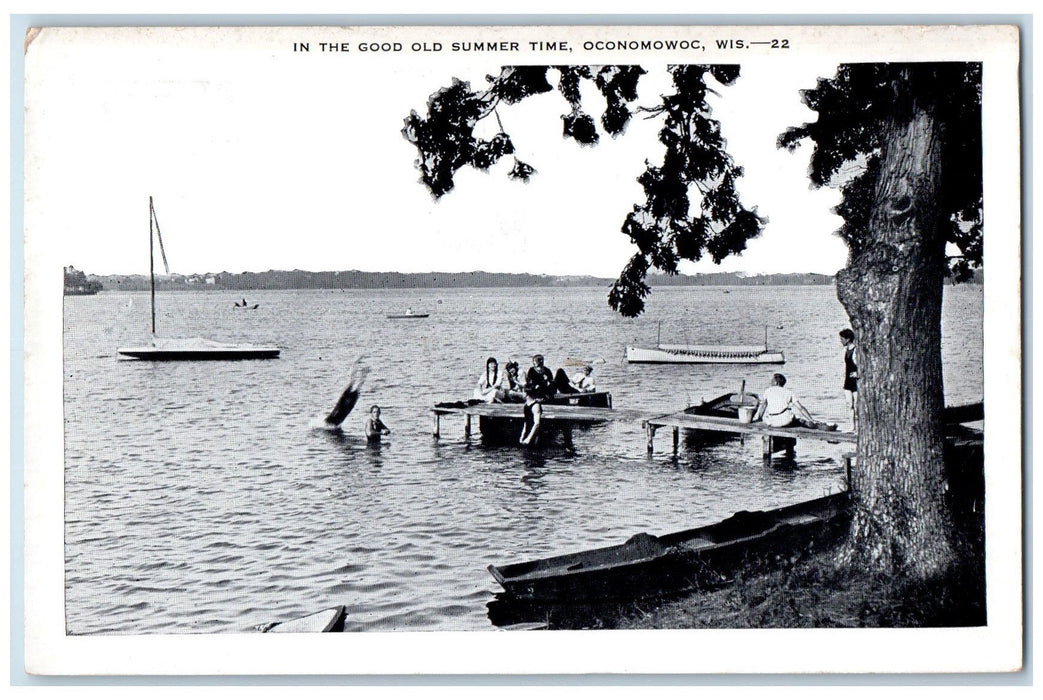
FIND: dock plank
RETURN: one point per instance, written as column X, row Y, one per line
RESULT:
column 583, row 414
column 733, row 425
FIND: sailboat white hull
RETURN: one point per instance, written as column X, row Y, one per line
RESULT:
column 705, row 354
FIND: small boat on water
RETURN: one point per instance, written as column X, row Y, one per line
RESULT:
column 329, row 620
column 706, row 354
column 702, row 557
column 409, row 313
column 166, row 349
column 725, row 405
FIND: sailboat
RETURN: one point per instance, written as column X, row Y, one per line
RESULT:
column 706, row 354
column 185, row 348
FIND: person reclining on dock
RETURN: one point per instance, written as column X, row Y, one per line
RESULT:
column 584, row 385
column 779, row 408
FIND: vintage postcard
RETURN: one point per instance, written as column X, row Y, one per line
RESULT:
column 522, row 349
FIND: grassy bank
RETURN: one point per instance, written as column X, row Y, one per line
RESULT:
column 807, row 589
column 815, row 592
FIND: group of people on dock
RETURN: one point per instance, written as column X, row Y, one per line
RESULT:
column 540, row 384
column 777, row 406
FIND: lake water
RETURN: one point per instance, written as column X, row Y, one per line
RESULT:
column 198, row 499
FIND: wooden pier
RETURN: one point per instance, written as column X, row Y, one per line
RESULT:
column 576, row 415
column 770, row 435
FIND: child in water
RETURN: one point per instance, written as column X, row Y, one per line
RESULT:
column 374, row 426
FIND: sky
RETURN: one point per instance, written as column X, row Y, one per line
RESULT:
column 260, row 157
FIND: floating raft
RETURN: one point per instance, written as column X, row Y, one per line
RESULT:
column 172, row 349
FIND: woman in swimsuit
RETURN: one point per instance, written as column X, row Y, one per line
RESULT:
column 847, row 339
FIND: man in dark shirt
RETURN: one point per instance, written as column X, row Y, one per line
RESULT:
column 539, row 382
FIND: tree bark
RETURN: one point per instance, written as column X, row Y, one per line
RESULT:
column 892, row 291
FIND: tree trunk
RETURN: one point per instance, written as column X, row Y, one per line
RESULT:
column 892, row 291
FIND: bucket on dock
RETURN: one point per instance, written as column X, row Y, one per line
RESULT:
column 746, row 414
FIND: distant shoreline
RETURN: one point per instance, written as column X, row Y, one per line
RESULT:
column 354, row 279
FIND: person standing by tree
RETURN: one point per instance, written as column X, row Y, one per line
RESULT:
column 847, row 339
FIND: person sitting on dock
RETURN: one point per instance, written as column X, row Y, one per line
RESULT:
column 779, row 408
column 490, row 383
column 539, row 382
column 375, row 428
column 512, row 387
column 584, row 385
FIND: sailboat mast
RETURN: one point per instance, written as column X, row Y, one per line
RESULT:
column 151, row 264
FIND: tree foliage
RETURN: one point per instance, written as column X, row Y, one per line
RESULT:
column 852, row 109
column 691, row 206
column 77, row 281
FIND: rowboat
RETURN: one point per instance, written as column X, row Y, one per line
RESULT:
column 408, row 314
column 701, row 557
column 329, row 620
column 723, row 406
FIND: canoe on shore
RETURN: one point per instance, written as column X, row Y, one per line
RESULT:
column 702, row 557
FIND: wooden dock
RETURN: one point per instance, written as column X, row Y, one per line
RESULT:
column 588, row 415
column 769, row 434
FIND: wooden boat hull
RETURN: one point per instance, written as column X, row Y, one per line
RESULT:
column 330, row 620
column 402, row 316
column 702, row 557
column 723, row 406
column 704, row 355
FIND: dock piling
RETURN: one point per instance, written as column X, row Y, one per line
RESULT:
column 677, row 438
